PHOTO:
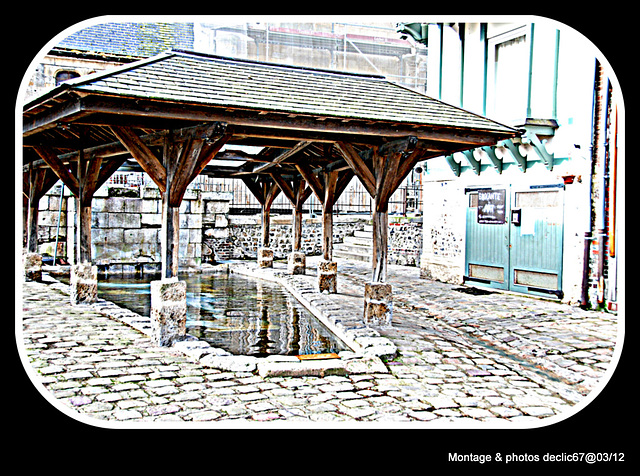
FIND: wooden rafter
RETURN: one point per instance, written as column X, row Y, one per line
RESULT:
column 362, row 171
column 282, row 157
column 307, row 174
column 62, row 171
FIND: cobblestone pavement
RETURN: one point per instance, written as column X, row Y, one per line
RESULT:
column 487, row 360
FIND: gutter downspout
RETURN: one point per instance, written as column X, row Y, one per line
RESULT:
column 441, row 54
column 588, row 237
column 485, row 52
column 462, row 33
column 555, row 77
column 604, row 200
column 530, row 70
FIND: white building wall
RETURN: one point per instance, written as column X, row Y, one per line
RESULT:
column 445, row 202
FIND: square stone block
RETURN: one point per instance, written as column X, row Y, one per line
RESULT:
column 84, row 283
column 296, row 263
column 378, row 304
column 32, row 266
column 327, row 276
column 265, row 258
column 168, row 311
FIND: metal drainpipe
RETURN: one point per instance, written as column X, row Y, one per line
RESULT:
column 441, row 54
column 555, row 76
column 485, row 52
column 584, row 295
column 530, row 70
column 602, row 229
column 588, row 238
column 462, row 34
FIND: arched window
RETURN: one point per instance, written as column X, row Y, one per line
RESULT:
column 63, row 75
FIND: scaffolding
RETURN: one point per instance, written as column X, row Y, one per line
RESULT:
column 373, row 48
column 356, row 48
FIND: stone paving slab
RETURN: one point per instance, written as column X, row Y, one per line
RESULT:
column 488, row 360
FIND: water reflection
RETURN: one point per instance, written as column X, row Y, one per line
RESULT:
column 241, row 315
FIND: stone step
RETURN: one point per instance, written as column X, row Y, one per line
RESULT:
column 358, row 247
column 352, row 256
column 364, row 234
column 358, row 241
column 353, row 248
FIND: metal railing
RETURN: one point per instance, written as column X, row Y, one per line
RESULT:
column 355, row 199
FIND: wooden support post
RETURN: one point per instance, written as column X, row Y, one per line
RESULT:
column 84, row 275
column 87, row 175
column 297, row 193
column 327, row 190
column 32, row 217
column 301, row 193
column 327, row 268
column 170, row 229
column 83, row 182
column 390, row 164
column 265, row 192
column 170, row 239
column 330, row 181
column 380, row 241
column 265, row 253
column 38, row 181
column 185, row 154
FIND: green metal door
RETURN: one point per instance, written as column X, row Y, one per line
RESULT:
column 487, row 243
column 537, row 240
column 519, row 247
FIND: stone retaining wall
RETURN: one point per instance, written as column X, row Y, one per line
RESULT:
column 244, row 235
column 405, row 243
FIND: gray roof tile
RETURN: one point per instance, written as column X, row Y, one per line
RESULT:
column 217, row 81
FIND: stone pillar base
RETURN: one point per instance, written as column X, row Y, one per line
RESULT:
column 378, row 304
column 297, row 263
column 32, row 266
column 265, row 258
column 168, row 311
column 84, row 283
column 327, row 276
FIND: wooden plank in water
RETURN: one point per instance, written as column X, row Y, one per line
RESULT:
column 330, row 355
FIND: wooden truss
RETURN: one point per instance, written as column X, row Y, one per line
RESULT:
column 82, row 136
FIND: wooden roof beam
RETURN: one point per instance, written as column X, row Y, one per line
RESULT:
column 305, row 124
column 282, row 157
column 52, row 160
column 362, row 171
column 312, row 180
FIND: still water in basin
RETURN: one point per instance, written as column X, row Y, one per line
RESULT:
column 240, row 315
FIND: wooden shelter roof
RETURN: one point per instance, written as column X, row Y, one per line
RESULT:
column 260, row 104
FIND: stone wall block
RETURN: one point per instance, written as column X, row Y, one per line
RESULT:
column 265, row 258
column 378, row 304
column 168, row 311
column 32, row 266
column 296, row 263
column 84, row 283
column 327, row 276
